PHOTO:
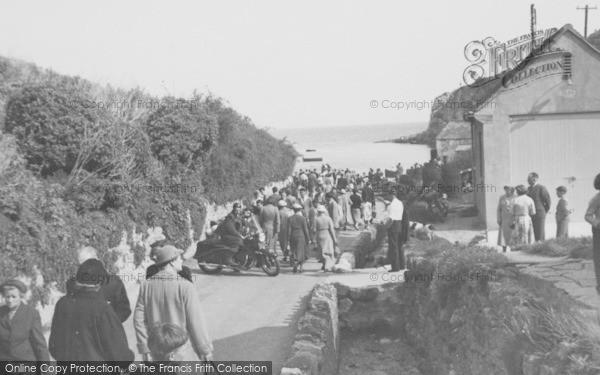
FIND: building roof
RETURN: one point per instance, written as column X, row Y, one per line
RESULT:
column 491, row 85
column 455, row 130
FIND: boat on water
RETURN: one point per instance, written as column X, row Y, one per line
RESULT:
column 312, row 157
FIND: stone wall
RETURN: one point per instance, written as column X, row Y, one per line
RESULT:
column 316, row 346
column 362, row 251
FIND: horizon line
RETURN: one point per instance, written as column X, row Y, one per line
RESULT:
column 350, row 125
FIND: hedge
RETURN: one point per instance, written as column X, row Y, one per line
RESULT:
column 76, row 174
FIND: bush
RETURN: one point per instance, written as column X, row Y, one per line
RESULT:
column 244, row 158
column 182, row 136
column 53, row 126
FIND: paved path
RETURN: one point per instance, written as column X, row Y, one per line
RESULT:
column 250, row 315
column 575, row 276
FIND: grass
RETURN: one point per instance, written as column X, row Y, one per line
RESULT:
column 565, row 337
column 577, row 247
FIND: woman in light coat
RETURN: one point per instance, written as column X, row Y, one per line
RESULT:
column 325, row 237
column 505, row 217
column 523, row 209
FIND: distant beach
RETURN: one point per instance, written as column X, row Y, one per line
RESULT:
column 354, row 147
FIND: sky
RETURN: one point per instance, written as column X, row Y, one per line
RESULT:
column 285, row 64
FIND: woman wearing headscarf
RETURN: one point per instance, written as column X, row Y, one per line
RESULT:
column 297, row 232
column 21, row 335
column 522, row 210
column 505, row 217
column 325, row 237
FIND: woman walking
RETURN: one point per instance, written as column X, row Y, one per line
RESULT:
column 325, row 237
column 297, row 232
column 505, row 218
column 592, row 216
column 522, row 210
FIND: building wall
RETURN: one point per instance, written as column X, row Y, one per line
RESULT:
column 478, row 172
column 447, row 147
column 546, row 95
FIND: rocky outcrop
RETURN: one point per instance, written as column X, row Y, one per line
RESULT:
column 316, row 347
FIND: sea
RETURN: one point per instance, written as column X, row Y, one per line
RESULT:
column 354, row 147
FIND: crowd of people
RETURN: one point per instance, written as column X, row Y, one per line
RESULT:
column 311, row 210
column 522, row 216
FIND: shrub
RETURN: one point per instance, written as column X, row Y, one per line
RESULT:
column 245, row 157
column 53, row 126
column 181, row 136
column 458, row 265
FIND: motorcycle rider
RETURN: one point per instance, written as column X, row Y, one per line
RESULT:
column 230, row 232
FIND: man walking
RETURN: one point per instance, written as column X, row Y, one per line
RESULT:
column 397, row 233
column 541, row 200
column 269, row 222
column 168, row 298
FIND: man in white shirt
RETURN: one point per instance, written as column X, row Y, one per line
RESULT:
column 397, row 233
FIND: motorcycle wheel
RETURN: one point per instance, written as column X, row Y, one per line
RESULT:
column 210, row 270
column 270, row 265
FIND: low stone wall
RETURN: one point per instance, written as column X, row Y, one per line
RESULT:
column 360, row 253
column 316, row 347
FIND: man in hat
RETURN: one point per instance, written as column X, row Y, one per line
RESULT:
column 112, row 287
column 84, row 326
column 168, row 298
column 270, row 222
column 153, row 269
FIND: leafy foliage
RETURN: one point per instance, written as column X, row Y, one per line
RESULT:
column 81, row 163
column 245, row 157
column 182, row 134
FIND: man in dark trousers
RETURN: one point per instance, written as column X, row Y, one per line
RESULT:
column 84, row 326
column 111, row 288
column 397, row 233
column 541, row 199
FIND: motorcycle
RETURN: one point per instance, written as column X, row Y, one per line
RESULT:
column 437, row 207
column 212, row 254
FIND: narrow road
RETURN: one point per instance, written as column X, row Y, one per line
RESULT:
column 250, row 315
